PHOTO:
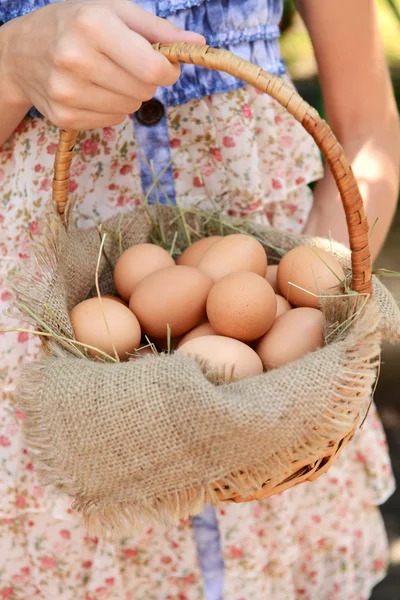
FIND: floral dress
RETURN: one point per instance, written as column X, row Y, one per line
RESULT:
column 241, row 151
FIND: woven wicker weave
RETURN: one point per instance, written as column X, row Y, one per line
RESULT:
column 345, row 181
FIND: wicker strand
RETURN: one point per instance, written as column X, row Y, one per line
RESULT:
column 283, row 93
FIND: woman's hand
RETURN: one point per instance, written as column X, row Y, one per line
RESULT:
column 86, row 63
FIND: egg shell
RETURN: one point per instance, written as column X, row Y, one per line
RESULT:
column 136, row 263
column 175, row 296
column 241, row 305
column 237, row 252
column 226, row 359
column 194, row 253
column 104, row 325
column 199, row 331
column 294, row 334
column 271, row 277
column 311, row 269
column 115, row 298
column 282, row 305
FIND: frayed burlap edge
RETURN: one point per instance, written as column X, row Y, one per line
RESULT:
column 357, row 365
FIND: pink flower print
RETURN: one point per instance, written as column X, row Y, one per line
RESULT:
column 108, row 134
column 65, row 534
column 207, row 170
column 235, row 552
column 361, row 458
column 110, row 581
column 77, row 168
column 229, row 142
column 19, row 414
column 30, row 467
column 237, row 128
column 22, row 337
column 300, row 180
column 6, row 592
column 89, row 147
column 126, row 169
column 130, row 553
column 34, row 228
column 41, row 140
column 52, row 148
column 2, row 219
column 86, row 564
column 121, row 200
column 6, row 296
column 20, row 501
column 176, row 174
column 112, row 187
column 191, row 578
column 48, row 562
column 72, row 185
column 246, row 111
column 37, row 168
column 46, row 184
column 175, row 143
column 1, row 174
column 379, row 564
column 276, row 184
column 197, row 182
column 216, row 153
column 101, row 590
column 25, row 571
column 166, row 560
column 278, row 119
column 38, row 492
column 316, row 519
column 4, row 441
column 286, row 141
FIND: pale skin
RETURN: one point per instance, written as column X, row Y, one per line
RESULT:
column 88, row 63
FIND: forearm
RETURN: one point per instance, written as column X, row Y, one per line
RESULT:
column 360, row 108
column 375, row 162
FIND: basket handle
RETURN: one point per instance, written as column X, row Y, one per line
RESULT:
column 275, row 87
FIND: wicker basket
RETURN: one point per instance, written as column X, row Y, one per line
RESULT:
column 346, row 183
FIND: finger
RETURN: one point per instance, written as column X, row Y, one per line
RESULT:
column 89, row 65
column 130, row 51
column 153, row 28
column 81, row 119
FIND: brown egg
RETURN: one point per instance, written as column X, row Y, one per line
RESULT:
column 175, row 296
column 199, row 331
column 233, row 253
column 272, row 272
column 282, row 305
column 294, row 334
column 241, row 305
column 311, row 269
column 136, row 263
column 104, row 325
column 194, row 253
column 228, row 360
column 115, row 298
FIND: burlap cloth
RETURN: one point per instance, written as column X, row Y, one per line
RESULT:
column 148, row 439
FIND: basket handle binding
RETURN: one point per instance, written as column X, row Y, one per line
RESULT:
column 278, row 89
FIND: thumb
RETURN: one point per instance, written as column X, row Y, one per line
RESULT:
column 153, row 28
